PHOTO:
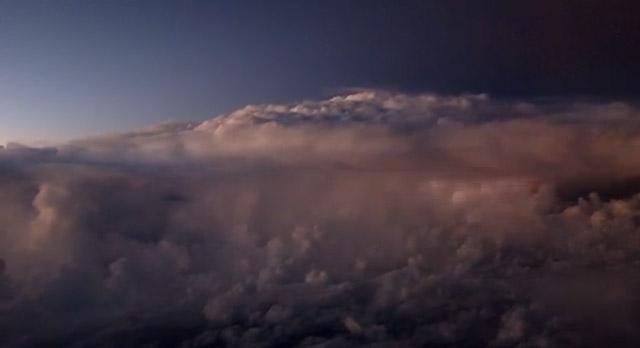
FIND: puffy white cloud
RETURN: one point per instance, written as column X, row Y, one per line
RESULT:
column 373, row 218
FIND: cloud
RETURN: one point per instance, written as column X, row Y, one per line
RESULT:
column 372, row 218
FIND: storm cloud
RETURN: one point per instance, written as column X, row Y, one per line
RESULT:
column 373, row 218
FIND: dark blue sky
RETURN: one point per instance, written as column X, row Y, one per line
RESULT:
column 74, row 67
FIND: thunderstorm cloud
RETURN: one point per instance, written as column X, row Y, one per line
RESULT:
column 372, row 218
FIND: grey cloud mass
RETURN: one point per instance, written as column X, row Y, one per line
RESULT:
column 369, row 219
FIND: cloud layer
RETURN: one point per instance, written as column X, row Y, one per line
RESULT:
column 372, row 218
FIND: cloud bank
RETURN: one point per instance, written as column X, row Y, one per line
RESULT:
column 369, row 219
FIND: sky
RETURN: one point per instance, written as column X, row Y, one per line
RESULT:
column 74, row 68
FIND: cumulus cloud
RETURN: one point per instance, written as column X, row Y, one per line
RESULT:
column 372, row 218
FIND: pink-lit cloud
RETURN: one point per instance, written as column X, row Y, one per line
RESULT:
column 368, row 218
